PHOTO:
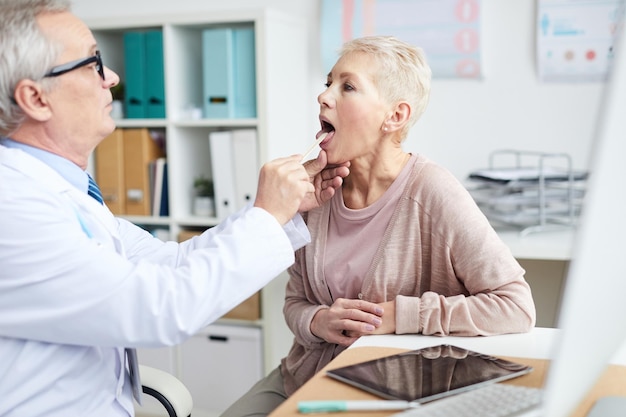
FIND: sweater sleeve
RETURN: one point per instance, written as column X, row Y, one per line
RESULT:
column 470, row 283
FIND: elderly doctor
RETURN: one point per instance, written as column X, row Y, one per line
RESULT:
column 77, row 285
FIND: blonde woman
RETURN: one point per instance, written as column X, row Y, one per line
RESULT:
column 402, row 248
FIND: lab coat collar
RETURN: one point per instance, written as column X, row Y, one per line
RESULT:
column 52, row 181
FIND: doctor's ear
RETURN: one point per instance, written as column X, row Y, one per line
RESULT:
column 32, row 99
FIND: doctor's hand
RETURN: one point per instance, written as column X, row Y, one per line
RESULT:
column 326, row 179
column 344, row 321
column 283, row 184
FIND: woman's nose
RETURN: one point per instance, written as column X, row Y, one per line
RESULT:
column 324, row 98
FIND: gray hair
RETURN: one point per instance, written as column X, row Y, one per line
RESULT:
column 25, row 53
column 403, row 73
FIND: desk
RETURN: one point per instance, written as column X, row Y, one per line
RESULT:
column 545, row 256
column 547, row 245
column 532, row 348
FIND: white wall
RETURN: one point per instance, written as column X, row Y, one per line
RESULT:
column 465, row 120
column 510, row 108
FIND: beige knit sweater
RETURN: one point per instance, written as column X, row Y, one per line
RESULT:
column 440, row 259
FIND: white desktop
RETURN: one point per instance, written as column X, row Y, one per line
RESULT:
column 539, row 343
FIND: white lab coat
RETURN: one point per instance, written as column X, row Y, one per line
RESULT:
column 77, row 285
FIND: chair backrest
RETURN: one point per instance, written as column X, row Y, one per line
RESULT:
column 168, row 390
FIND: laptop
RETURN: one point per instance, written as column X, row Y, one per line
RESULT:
column 593, row 306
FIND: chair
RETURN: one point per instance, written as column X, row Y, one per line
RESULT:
column 168, row 390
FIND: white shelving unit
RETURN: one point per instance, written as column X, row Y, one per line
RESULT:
column 281, row 47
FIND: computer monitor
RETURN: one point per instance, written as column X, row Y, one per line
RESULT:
column 593, row 311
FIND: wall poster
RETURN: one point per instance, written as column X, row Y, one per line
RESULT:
column 447, row 30
column 575, row 38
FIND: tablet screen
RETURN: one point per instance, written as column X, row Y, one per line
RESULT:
column 427, row 374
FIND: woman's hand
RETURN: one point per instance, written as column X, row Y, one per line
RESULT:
column 344, row 321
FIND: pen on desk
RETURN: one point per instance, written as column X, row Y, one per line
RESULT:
column 317, row 142
column 330, row 406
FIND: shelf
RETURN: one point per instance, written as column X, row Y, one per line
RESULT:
column 148, row 220
column 553, row 244
column 136, row 123
column 217, row 123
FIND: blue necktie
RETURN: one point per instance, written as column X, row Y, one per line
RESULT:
column 94, row 191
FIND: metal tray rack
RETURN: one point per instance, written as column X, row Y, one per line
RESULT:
column 535, row 191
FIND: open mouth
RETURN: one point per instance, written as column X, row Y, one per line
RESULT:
column 327, row 129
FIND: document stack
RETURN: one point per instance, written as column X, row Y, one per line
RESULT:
column 533, row 190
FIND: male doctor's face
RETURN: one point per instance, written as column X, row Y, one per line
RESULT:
column 80, row 99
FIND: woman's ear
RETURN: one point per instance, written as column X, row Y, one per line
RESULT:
column 398, row 118
column 32, row 100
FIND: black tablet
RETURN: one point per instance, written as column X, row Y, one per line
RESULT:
column 427, row 374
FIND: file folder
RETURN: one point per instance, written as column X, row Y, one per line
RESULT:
column 139, row 150
column 159, row 190
column 135, row 61
column 229, row 72
column 109, row 171
column 217, row 69
column 244, row 72
column 164, row 209
column 246, row 166
column 220, row 145
column 155, row 76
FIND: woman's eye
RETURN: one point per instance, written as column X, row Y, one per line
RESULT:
column 348, row 87
column 327, row 84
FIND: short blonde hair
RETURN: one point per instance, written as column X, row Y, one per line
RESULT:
column 404, row 74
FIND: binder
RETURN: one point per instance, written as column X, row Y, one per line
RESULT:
column 217, row 71
column 229, row 72
column 246, row 167
column 222, row 173
column 135, row 61
column 244, row 72
column 249, row 309
column 155, row 75
column 186, row 234
column 164, row 209
column 159, row 190
column 139, row 150
column 109, row 171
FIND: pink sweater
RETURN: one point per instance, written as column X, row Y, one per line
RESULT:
column 439, row 258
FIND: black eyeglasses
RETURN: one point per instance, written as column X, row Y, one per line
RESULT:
column 71, row 66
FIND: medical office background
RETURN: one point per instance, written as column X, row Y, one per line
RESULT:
column 507, row 106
